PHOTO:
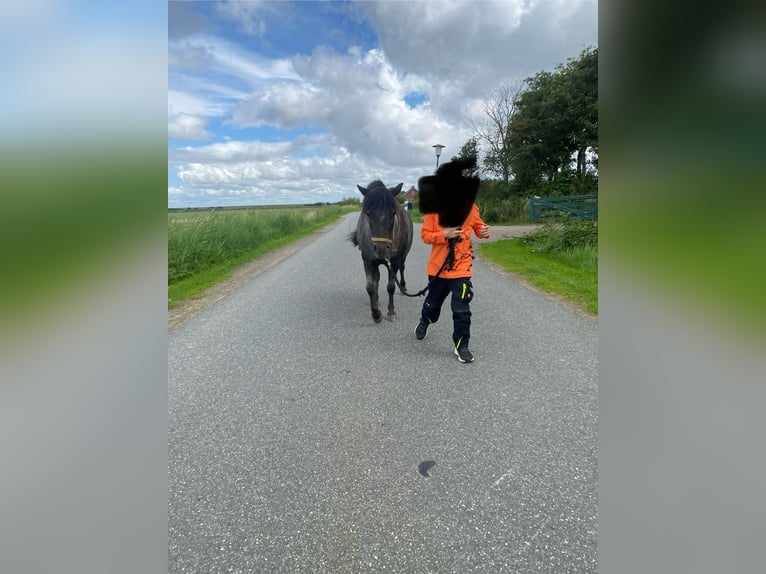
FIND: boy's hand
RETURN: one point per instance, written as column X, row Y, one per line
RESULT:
column 484, row 232
column 452, row 232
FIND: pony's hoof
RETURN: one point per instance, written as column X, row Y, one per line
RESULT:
column 377, row 317
column 391, row 317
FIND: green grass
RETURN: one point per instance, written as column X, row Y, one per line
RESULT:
column 572, row 273
column 204, row 248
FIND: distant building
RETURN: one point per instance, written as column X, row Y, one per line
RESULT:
column 411, row 194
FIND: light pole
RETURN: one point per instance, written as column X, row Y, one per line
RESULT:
column 438, row 150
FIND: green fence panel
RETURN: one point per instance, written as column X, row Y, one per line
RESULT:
column 544, row 208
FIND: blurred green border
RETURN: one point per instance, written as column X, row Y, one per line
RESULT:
column 69, row 213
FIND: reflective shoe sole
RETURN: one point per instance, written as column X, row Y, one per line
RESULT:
column 461, row 359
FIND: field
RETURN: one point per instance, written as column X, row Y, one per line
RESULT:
column 205, row 246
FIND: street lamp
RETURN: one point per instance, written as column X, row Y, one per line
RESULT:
column 438, row 150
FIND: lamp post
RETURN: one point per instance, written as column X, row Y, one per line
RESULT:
column 438, row 150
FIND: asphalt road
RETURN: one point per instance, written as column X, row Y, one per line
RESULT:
column 303, row 437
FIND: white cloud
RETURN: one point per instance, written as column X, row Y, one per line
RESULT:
column 271, row 182
column 359, row 97
column 454, row 53
column 284, row 106
column 247, row 14
column 208, row 76
column 220, row 58
column 187, row 127
column 273, row 174
column 232, row 151
column 480, row 44
column 186, row 103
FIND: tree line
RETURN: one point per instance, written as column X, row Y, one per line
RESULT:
column 540, row 136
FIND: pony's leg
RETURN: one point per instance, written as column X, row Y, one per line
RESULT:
column 391, row 287
column 373, row 277
column 402, row 282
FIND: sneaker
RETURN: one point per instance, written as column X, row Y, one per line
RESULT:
column 463, row 354
column 422, row 329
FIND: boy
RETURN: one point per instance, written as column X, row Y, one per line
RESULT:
column 455, row 276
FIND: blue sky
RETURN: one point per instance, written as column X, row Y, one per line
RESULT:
column 298, row 102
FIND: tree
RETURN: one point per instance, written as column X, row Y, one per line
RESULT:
column 582, row 76
column 556, row 120
column 469, row 150
column 538, row 132
column 493, row 131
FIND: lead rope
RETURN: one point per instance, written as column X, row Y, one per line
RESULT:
column 449, row 261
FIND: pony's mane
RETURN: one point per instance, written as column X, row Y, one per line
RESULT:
column 378, row 197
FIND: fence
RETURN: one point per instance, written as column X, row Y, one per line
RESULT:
column 545, row 208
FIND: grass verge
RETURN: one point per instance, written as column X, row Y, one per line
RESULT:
column 571, row 274
column 206, row 250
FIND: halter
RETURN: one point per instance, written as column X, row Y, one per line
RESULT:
column 395, row 233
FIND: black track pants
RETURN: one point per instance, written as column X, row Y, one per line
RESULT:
column 462, row 293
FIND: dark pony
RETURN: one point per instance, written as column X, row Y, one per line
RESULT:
column 449, row 192
column 384, row 236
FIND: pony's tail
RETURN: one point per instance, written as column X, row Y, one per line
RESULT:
column 353, row 239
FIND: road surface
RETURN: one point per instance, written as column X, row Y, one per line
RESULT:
column 303, row 437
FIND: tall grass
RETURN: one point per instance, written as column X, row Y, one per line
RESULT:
column 568, row 234
column 509, row 211
column 199, row 241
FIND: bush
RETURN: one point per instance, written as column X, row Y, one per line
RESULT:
column 571, row 233
column 567, row 183
column 498, row 205
column 511, row 210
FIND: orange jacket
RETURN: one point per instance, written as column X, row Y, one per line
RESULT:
column 433, row 233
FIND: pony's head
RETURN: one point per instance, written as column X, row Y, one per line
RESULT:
column 449, row 192
column 380, row 208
